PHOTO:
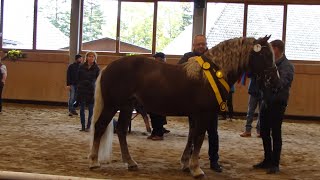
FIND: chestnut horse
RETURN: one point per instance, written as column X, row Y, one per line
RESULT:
column 172, row 90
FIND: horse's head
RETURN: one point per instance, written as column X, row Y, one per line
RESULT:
column 261, row 56
column 262, row 63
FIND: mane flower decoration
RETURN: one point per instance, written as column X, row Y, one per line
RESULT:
column 14, row 55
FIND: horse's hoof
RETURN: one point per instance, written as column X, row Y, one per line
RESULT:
column 198, row 173
column 133, row 168
column 200, row 176
column 94, row 166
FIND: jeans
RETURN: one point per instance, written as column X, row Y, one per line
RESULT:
column 252, row 105
column 83, row 116
column 72, row 97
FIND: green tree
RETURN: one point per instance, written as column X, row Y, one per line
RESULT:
column 186, row 16
column 59, row 16
column 137, row 23
column 93, row 21
column 172, row 22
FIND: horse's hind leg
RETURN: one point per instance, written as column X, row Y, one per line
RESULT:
column 188, row 149
column 122, row 128
column 99, row 128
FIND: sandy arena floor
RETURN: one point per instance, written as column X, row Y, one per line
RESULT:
column 44, row 139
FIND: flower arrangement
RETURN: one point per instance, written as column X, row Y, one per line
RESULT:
column 131, row 54
column 14, row 55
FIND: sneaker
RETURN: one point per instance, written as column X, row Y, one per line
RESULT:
column 82, row 130
column 246, row 134
column 70, row 114
column 157, row 138
column 262, row 165
column 216, row 167
column 273, row 170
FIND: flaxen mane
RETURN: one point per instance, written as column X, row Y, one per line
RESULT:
column 230, row 56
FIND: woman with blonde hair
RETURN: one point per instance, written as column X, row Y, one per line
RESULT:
column 88, row 73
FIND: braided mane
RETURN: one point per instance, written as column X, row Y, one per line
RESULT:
column 231, row 56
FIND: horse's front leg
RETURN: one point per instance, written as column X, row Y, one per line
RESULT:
column 197, row 137
column 122, row 128
column 185, row 158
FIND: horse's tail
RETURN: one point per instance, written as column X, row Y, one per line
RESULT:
column 105, row 147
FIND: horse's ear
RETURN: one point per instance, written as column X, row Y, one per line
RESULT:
column 265, row 39
column 268, row 37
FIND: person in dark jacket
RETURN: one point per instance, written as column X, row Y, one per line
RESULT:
column 157, row 121
column 254, row 102
column 72, row 82
column 88, row 73
column 273, row 107
column 199, row 47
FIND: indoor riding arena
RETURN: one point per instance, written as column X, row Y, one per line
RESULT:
column 45, row 135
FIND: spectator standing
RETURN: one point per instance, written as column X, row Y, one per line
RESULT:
column 88, row 73
column 72, row 82
column 157, row 121
column 199, row 47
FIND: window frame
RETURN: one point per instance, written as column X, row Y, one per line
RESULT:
column 153, row 48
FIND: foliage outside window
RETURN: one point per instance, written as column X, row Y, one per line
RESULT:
column 53, row 27
column 99, row 25
column 136, row 26
column 174, row 27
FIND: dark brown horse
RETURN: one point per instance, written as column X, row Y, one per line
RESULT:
column 173, row 90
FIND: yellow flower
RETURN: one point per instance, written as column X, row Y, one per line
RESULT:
column 14, row 54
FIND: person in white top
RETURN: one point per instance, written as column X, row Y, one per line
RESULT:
column 3, row 77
